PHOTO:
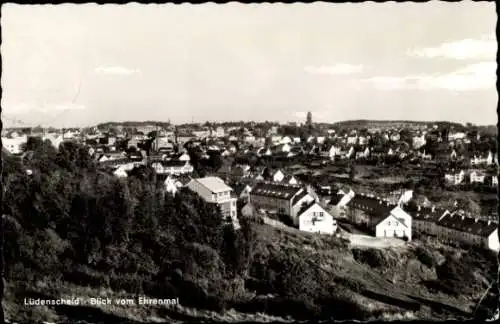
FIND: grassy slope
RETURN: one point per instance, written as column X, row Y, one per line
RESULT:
column 403, row 281
column 371, row 287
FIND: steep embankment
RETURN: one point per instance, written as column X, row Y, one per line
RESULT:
column 297, row 275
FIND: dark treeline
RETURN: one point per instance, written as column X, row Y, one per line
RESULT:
column 68, row 222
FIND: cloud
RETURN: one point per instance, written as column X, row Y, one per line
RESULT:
column 337, row 69
column 483, row 48
column 17, row 108
column 472, row 77
column 116, row 70
column 56, row 108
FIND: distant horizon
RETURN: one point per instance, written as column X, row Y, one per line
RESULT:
column 151, row 122
column 79, row 65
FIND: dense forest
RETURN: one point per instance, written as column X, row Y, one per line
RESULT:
column 69, row 222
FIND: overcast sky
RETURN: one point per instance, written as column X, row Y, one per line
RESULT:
column 82, row 64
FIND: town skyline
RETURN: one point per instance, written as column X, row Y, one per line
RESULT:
column 275, row 63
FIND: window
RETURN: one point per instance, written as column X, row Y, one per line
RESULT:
column 234, row 203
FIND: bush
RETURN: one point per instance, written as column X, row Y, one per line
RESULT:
column 456, row 277
column 372, row 257
column 425, row 256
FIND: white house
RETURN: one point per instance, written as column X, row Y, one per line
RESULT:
column 14, row 145
column 184, row 157
column 290, row 179
column 121, row 171
column 362, row 140
column 333, row 152
column 170, row 186
column 278, row 176
column 297, row 203
column 276, row 139
column 214, row 190
column 173, row 167
column 405, row 197
column 455, row 178
column 396, row 224
column 418, row 141
column 316, row 219
column 457, row 135
column 490, row 240
column 491, row 158
column 345, row 199
column 350, row 153
column 477, row 176
column 352, row 139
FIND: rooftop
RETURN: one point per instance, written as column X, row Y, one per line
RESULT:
column 214, row 184
column 468, row 225
column 275, row 190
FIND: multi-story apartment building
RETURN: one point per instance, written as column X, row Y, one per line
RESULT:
column 275, row 196
column 214, row 190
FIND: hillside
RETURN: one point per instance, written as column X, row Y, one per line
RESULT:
column 73, row 231
column 364, row 123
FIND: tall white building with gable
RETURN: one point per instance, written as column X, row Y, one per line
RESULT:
column 214, row 190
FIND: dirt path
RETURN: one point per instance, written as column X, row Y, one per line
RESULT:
column 358, row 240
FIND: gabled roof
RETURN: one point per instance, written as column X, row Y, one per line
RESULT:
column 425, row 213
column 214, row 184
column 172, row 163
column 275, row 190
column 184, row 179
column 468, row 225
column 335, row 199
column 370, row 204
column 298, row 197
column 238, row 188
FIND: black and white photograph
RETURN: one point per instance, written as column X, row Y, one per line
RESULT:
column 180, row 163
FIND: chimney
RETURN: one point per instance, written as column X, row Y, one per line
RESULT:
column 433, row 208
column 489, row 222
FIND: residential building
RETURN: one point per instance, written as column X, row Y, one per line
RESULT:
column 455, row 178
column 173, row 167
column 477, row 176
column 274, row 197
column 315, row 219
column 170, row 186
column 494, row 180
column 278, row 176
column 214, row 190
column 474, row 231
column 297, row 203
column 425, row 219
column 14, row 145
column 380, row 217
column 242, row 191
